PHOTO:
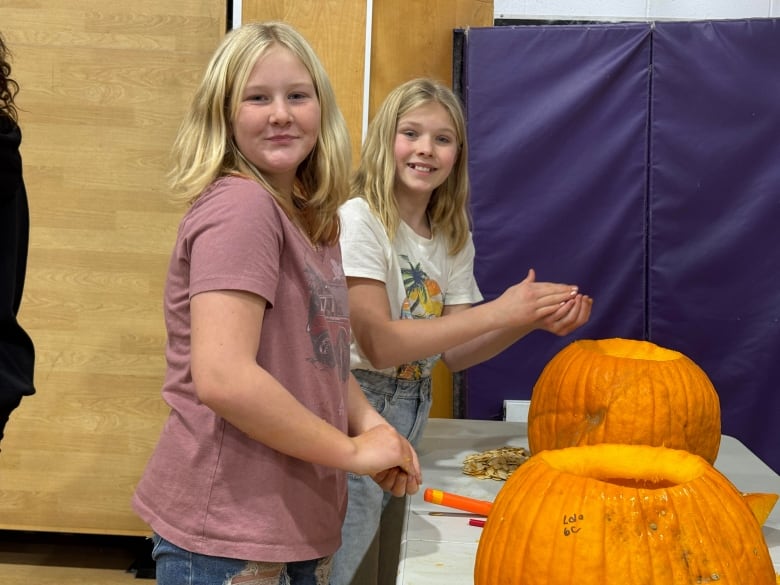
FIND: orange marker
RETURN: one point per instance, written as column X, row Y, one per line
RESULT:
column 481, row 507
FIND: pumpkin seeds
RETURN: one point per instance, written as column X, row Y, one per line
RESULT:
column 495, row 464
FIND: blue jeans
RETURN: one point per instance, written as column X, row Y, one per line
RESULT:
column 371, row 535
column 176, row 566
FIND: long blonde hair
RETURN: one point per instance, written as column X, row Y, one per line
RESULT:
column 374, row 179
column 204, row 149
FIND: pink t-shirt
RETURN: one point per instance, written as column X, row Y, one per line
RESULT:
column 208, row 487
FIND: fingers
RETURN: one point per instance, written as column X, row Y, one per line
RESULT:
column 398, row 488
column 412, row 485
column 388, row 478
column 569, row 316
column 396, row 481
column 415, row 466
column 382, row 449
column 556, row 293
column 382, row 476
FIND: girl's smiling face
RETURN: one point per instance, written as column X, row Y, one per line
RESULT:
column 278, row 119
column 426, row 149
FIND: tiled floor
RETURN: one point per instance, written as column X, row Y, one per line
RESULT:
column 68, row 559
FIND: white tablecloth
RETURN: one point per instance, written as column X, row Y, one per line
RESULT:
column 439, row 546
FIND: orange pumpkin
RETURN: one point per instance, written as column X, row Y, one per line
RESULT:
column 624, row 391
column 761, row 504
column 611, row 514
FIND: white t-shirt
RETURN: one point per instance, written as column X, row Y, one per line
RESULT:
column 419, row 274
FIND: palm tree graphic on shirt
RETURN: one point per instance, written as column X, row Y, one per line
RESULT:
column 423, row 300
column 423, row 293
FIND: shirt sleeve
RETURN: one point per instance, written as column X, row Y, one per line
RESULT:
column 365, row 247
column 235, row 240
column 463, row 288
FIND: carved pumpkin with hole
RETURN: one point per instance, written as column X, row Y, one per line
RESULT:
column 613, row 514
column 624, row 391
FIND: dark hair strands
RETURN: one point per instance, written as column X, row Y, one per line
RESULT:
column 8, row 86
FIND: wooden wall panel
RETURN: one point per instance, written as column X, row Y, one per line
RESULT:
column 103, row 88
column 336, row 30
column 413, row 38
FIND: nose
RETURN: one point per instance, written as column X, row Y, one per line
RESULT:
column 424, row 145
column 280, row 113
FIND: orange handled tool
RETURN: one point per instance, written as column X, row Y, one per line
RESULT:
column 481, row 507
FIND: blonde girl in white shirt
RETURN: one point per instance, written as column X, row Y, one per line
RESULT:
column 408, row 256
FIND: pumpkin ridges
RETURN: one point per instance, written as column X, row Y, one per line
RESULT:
column 593, row 560
column 681, row 536
column 605, row 551
column 674, row 529
column 596, row 407
column 556, row 430
column 663, row 527
column 505, row 529
column 514, row 550
column 738, row 516
column 604, row 390
column 707, row 439
column 530, row 558
column 652, row 568
column 682, row 414
column 569, row 491
column 498, row 529
column 739, row 513
column 704, row 529
column 688, row 412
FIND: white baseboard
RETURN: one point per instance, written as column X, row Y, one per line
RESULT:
column 516, row 410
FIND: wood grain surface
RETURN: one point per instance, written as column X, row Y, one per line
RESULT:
column 103, row 89
column 413, row 38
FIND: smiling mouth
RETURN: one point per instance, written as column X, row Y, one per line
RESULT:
column 421, row 168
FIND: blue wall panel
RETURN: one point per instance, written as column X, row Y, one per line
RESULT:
column 642, row 163
column 715, row 214
column 557, row 120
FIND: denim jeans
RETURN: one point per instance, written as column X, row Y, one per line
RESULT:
column 176, row 566
column 371, row 534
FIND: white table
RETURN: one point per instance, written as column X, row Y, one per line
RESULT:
column 439, row 548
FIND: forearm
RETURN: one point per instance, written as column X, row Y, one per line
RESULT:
column 568, row 317
column 396, row 342
column 261, row 407
column 482, row 348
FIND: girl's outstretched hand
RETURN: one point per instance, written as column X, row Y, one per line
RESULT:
column 554, row 307
column 528, row 303
column 572, row 314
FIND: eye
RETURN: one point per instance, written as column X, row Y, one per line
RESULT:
column 297, row 96
column 408, row 133
column 256, row 97
column 444, row 139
